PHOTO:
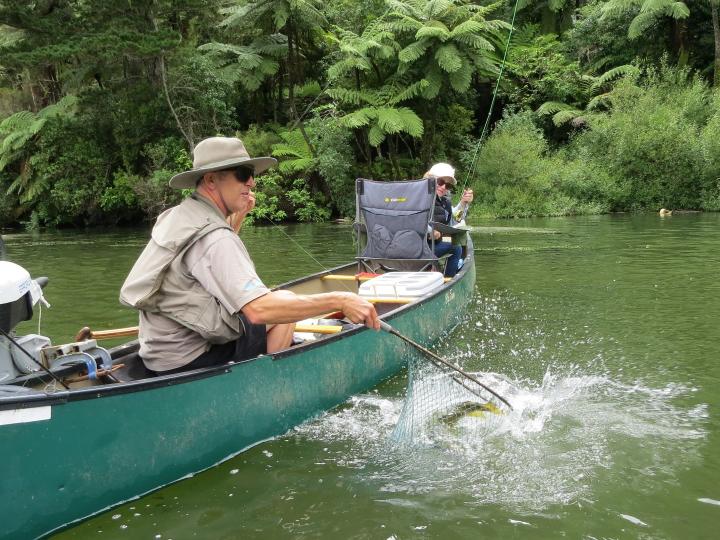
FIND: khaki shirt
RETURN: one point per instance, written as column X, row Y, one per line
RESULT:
column 222, row 266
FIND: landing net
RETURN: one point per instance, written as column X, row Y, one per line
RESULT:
column 443, row 407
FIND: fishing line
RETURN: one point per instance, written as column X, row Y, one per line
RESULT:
column 321, row 265
column 470, row 173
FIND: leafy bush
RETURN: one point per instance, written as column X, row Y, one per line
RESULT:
column 259, row 141
column 650, row 140
column 8, row 203
column 511, row 173
column 119, row 199
column 710, row 145
column 268, row 199
column 309, row 207
column 335, row 161
column 70, row 169
column 165, row 158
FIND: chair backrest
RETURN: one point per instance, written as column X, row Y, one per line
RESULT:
column 395, row 218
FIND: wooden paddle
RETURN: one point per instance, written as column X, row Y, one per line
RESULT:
column 346, row 277
column 132, row 331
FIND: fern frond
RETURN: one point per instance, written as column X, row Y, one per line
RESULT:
column 413, row 51
column 437, row 31
column 437, row 7
column 376, row 136
column 351, row 96
column 460, row 79
column 613, row 74
column 412, row 123
column 467, row 27
column 347, row 65
column 17, row 121
column 617, row 7
column 237, row 14
column 280, row 17
column 274, row 45
column 553, row 107
column 598, row 101
column 389, row 120
column 433, row 77
column 402, row 25
column 563, row 117
column 309, row 89
column 640, row 23
column 359, row 118
column 409, row 92
column 448, row 58
column 296, row 165
column 678, row 10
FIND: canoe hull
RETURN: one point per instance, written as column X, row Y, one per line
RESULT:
column 99, row 448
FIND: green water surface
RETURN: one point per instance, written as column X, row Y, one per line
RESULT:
column 606, row 329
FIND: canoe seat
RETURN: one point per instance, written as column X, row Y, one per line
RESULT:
column 392, row 224
column 132, row 368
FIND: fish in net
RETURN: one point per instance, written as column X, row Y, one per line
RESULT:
column 445, row 407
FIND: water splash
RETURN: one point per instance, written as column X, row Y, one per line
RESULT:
column 562, row 433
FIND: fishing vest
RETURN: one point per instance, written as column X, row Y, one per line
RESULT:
column 159, row 282
column 442, row 210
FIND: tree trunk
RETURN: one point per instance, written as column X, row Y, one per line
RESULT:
column 187, row 133
column 716, row 33
column 293, row 60
column 679, row 41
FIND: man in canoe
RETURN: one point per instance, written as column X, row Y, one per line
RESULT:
column 444, row 212
column 201, row 302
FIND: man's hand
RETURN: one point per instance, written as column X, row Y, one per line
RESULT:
column 437, row 235
column 359, row 310
column 467, row 197
column 235, row 220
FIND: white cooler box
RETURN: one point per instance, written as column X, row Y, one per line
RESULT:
column 401, row 285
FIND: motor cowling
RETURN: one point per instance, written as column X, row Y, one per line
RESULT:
column 18, row 294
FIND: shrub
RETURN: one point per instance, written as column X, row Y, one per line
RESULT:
column 335, row 161
column 309, row 207
column 710, row 144
column 650, row 140
column 120, row 199
column 513, row 174
column 268, row 199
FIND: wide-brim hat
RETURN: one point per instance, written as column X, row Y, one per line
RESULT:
column 443, row 170
column 217, row 154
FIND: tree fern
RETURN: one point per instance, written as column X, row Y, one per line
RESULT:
column 18, row 129
column 448, row 58
column 299, row 157
column 650, row 11
column 627, row 70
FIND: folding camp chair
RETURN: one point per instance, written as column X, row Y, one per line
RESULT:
column 392, row 220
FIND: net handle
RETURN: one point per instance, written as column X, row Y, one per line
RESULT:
column 390, row 330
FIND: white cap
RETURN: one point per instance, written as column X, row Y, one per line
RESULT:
column 442, row 170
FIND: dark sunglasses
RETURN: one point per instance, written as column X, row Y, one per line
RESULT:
column 243, row 173
column 440, row 182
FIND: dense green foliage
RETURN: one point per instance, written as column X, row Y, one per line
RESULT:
column 604, row 106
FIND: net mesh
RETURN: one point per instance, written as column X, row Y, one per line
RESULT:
column 443, row 407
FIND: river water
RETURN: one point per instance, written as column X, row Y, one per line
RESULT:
column 602, row 331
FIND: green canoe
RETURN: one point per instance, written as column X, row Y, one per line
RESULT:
column 69, row 454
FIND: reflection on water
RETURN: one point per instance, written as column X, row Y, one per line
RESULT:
column 602, row 331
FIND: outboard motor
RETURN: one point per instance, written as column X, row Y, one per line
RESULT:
column 18, row 295
column 32, row 354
